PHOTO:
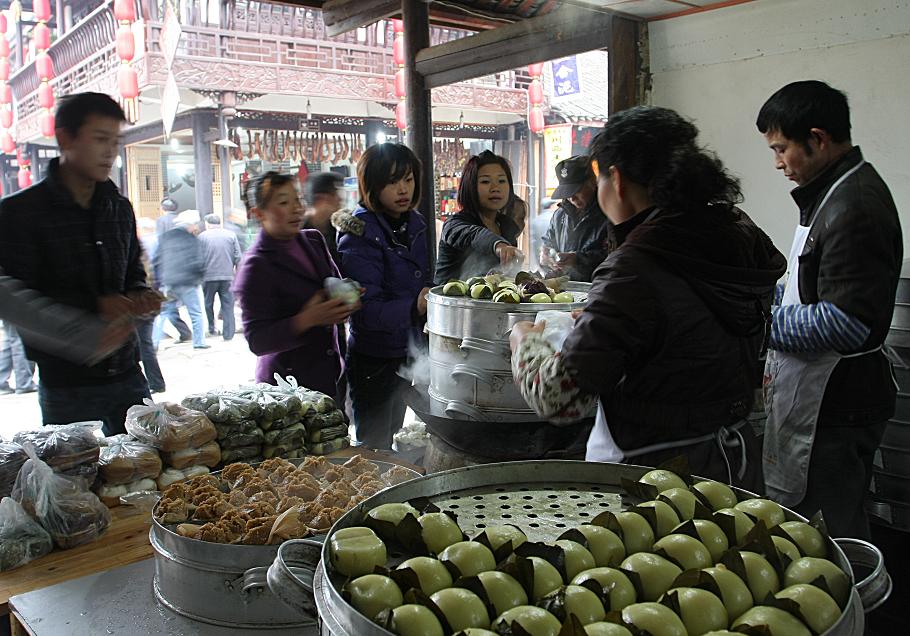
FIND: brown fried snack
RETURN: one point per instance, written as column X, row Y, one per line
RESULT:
column 302, row 485
column 188, row 530
column 258, row 509
column 213, row 532
column 287, row 503
column 203, row 480
column 237, row 498
column 397, row 475
column 282, row 474
column 175, row 491
column 234, row 523
column 332, row 499
column 371, row 488
column 257, row 530
column 212, row 508
column 315, row 466
column 201, row 493
column 257, row 485
column 269, row 466
column 325, row 518
column 265, row 495
column 356, row 499
column 339, row 473
column 361, row 466
column 343, row 488
column 308, row 511
column 172, row 511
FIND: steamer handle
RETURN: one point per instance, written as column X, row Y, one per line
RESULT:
column 456, row 406
column 257, row 578
column 484, row 346
column 477, row 374
column 878, row 585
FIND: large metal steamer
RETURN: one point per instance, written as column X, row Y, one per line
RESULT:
column 221, row 584
column 470, row 359
column 543, row 498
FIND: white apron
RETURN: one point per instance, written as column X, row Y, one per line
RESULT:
column 794, row 386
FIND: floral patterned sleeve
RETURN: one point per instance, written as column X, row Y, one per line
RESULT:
column 546, row 384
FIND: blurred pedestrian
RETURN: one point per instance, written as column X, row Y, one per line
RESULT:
column 145, row 325
column 165, row 221
column 179, row 265
column 221, row 251
column 72, row 237
column 14, row 362
column 323, row 197
column 149, row 241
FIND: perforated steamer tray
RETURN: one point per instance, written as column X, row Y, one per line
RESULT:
column 544, row 498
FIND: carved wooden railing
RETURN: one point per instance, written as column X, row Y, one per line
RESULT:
column 251, row 36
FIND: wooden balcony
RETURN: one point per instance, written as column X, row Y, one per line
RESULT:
column 262, row 49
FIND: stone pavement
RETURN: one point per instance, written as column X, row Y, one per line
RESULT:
column 186, row 370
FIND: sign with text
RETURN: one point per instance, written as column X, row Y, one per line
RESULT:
column 566, row 82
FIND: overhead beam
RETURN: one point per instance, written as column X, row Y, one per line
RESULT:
column 341, row 16
column 566, row 31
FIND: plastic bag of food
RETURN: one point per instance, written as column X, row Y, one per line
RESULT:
column 327, row 433
column 223, row 406
column 206, row 455
column 123, row 459
column 110, row 494
column 12, row 456
column 238, row 440
column 243, row 426
column 22, row 539
column 559, row 326
column 244, row 453
column 168, row 426
column 335, row 417
column 173, row 475
column 65, row 446
column 291, row 436
column 324, row 448
column 71, row 514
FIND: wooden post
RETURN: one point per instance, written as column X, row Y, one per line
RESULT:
column 624, row 63
column 416, row 16
column 202, row 158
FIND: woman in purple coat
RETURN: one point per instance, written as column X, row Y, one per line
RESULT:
column 288, row 320
column 387, row 254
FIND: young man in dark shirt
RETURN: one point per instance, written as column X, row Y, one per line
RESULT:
column 72, row 237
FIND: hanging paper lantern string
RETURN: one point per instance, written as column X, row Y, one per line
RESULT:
column 127, row 77
column 535, row 99
column 44, row 66
column 7, row 144
column 401, row 116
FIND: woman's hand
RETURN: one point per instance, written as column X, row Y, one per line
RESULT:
column 507, row 253
column 321, row 310
column 422, row 301
column 521, row 329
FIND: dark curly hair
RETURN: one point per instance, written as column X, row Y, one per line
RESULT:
column 468, row 200
column 656, row 148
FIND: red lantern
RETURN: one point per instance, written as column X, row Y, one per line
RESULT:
column 42, row 37
column 4, row 69
column 48, row 127
column 398, row 51
column 535, row 92
column 6, row 94
column 24, row 178
column 42, row 10
column 128, row 82
column 401, row 115
column 4, row 47
column 535, row 121
column 536, row 70
column 126, row 44
column 46, row 96
column 7, row 144
column 400, row 86
column 45, row 66
column 6, row 118
column 3, row 24
column 125, row 10
column 398, row 26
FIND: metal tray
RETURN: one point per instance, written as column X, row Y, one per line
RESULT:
column 544, row 498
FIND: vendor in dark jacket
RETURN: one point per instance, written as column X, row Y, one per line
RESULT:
column 576, row 241
column 72, row 238
column 384, row 248
column 481, row 236
column 667, row 348
column 829, row 387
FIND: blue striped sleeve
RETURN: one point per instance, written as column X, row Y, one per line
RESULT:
column 819, row 327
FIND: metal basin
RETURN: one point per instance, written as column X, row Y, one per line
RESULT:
column 476, row 386
column 542, row 497
column 481, row 354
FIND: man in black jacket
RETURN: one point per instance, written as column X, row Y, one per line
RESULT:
column 72, row 237
column 829, row 388
column 576, row 241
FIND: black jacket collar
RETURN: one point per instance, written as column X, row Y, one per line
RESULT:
column 808, row 196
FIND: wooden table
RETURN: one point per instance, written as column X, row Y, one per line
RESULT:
column 126, row 541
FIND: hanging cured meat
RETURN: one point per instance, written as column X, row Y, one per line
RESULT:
column 249, row 145
column 258, row 144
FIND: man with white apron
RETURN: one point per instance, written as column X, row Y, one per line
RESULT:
column 828, row 385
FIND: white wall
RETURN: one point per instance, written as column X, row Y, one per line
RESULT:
column 718, row 68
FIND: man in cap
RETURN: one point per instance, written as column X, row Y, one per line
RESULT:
column 576, row 241
column 165, row 222
column 323, row 198
column 222, row 255
column 179, row 264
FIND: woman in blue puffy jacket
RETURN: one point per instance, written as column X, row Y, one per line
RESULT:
column 385, row 251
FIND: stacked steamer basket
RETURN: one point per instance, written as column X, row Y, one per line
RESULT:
column 891, row 476
column 542, row 498
column 471, row 406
